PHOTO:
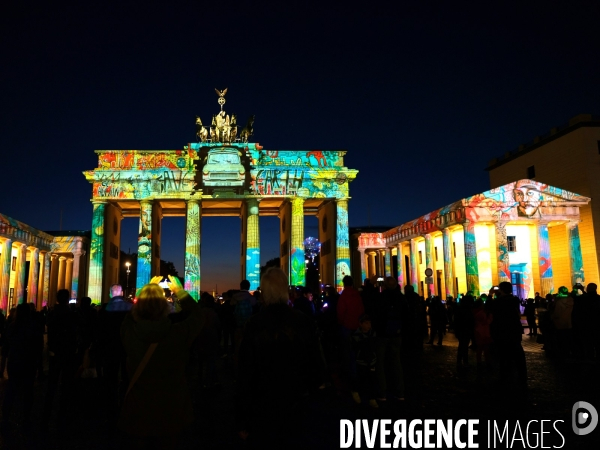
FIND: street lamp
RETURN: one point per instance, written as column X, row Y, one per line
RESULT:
column 128, row 264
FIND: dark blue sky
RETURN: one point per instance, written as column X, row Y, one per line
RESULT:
column 421, row 96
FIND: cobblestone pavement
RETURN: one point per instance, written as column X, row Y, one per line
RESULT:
column 434, row 389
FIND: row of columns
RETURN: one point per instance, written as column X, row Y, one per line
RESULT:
column 48, row 273
column 381, row 258
column 250, row 244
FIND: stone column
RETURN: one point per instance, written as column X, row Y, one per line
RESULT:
column 20, row 275
column 77, row 254
column 414, row 276
column 577, row 273
column 144, row 262
column 46, row 282
column 297, row 276
column 363, row 268
column 448, row 266
column 429, row 263
column 400, row 264
column 545, row 261
column 372, row 266
column 62, row 267
column 252, row 243
column 342, row 247
column 472, row 269
column 32, row 285
column 96, row 255
column 388, row 262
column 502, row 252
column 5, row 264
column 54, row 280
column 192, row 248
column 69, row 275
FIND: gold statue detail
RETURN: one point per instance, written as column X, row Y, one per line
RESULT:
column 201, row 131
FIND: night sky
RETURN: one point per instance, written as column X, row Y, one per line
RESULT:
column 421, row 95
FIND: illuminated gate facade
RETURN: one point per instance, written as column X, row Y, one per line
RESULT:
column 220, row 175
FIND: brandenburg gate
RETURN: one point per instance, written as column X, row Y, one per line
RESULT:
column 222, row 174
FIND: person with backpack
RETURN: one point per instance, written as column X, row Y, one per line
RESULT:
column 391, row 311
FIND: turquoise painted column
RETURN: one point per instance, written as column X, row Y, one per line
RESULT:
column 577, row 273
column 297, row 264
column 77, row 253
column 363, row 268
column 502, row 252
column 414, row 276
column 429, row 262
column 388, row 262
column 32, row 285
column 192, row 248
column 342, row 250
column 96, row 253
column 144, row 260
column 5, row 276
column 400, row 264
column 448, row 260
column 253, row 244
column 545, row 261
column 472, row 268
column 20, row 275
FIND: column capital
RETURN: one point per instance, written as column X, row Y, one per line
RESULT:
column 97, row 201
column 147, row 201
column 62, row 258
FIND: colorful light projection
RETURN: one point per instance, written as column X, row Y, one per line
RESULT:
column 97, row 253
column 5, row 277
column 298, row 275
column 388, row 262
column 20, row 275
column 545, row 261
column 577, row 274
column 448, row 267
column 46, row 284
column 253, row 244
column 471, row 259
column 342, row 263
column 192, row 249
column 502, row 252
column 33, row 275
column 137, row 174
column 414, row 268
column 400, row 264
column 144, row 264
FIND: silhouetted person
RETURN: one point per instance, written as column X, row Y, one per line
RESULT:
column 206, row 344
column 111, row 353
column 506, row 331
column 158, row 405
column 391, row 311
column 302, row 303
column 364, row 343
column 63, row 324
column 529, row 312
column 279, row 360
column 22, row 337
column 464, row 328
column 562, row 319
column 438, row 318
column 349, row 309
column 4, row 354
column 415, row 328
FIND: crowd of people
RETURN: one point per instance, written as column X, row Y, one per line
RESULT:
column 284, row 343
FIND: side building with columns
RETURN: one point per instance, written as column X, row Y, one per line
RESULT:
column 518, row 232
column 36, row 264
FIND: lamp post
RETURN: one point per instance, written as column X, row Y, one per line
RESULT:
column 128, row 264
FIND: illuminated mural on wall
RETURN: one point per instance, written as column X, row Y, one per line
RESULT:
column 342, row 264
column 253, row 245
column 192, row 249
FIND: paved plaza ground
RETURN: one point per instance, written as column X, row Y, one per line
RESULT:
column 434, row 389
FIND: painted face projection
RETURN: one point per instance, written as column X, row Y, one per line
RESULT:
column 528, row 199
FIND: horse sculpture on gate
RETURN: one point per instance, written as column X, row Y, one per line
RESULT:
column 247, row 131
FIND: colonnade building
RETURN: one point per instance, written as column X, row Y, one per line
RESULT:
column 36, row 264
column 525, row 232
